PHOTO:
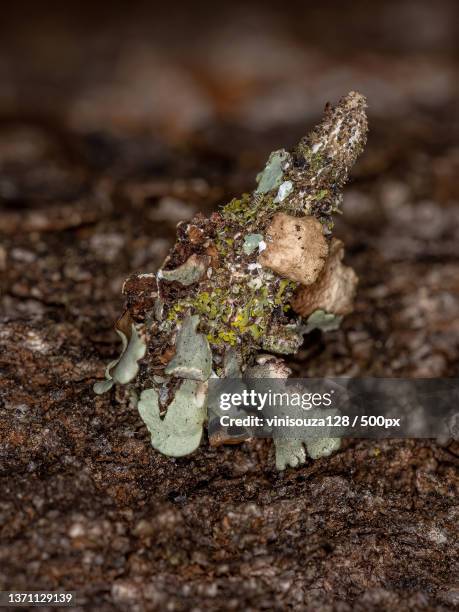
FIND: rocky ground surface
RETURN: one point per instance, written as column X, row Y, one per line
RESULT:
column 91, row 187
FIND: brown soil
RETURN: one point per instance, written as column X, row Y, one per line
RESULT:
column 90, row 193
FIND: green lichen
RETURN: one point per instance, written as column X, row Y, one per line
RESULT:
column 251, row 243
column 284, row 285
column 128, row 365
column 103, row 386
column 179, row 433
column 289, row 453
column 124, row 369
column 189, row 272
column 193, row 358
column 234, row 313
column 322, row 320
column 322, row 447
column 271, row 177
column 315, row 160
column 222, row 337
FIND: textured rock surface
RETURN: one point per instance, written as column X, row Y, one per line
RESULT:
column 86, row 503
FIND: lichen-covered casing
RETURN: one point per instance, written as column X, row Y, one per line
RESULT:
column 254, row 277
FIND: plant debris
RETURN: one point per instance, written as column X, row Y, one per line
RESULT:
column 228, row 285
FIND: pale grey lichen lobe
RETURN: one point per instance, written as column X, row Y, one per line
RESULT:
column 227, row 288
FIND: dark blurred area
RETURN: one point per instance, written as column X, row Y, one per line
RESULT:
column 150, row 66
column 118, row 120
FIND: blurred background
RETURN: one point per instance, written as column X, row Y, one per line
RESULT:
column 106, row 67
column 117, row 120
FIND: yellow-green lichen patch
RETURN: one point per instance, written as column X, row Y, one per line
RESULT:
column 284, row 286
column 222, row 337
column 321, row 195
column 253, row 315
column 236, row 313
column 238, row 209
column 250, row 211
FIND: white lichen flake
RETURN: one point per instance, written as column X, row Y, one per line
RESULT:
column 285, row 189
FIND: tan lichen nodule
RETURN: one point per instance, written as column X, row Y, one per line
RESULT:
column 334, row 289
column 295, row 248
